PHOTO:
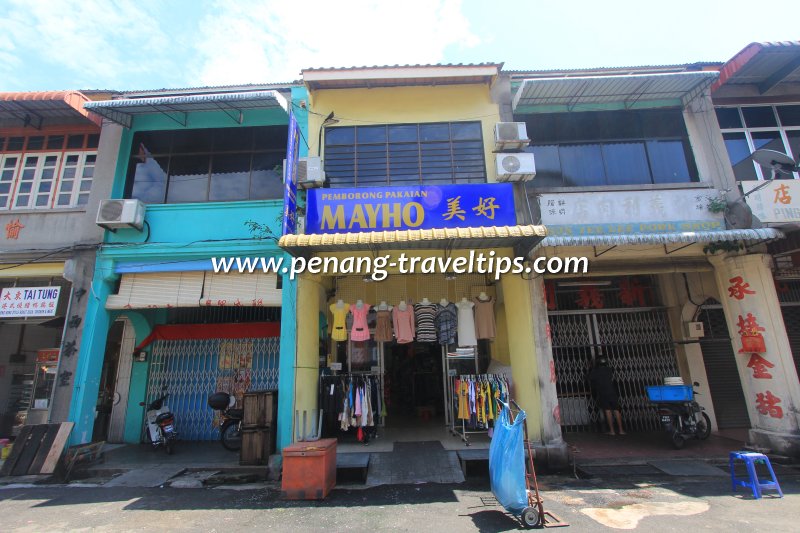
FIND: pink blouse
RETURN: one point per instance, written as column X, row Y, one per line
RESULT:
column 360, row 330
column 403, row 324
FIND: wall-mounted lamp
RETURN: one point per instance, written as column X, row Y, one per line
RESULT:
column 329, row 121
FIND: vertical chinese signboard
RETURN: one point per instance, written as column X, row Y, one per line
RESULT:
column 290, row 178
column 743, row 300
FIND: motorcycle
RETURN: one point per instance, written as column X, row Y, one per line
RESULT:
column 683, row 418
column 160, row 425
column 230, row 428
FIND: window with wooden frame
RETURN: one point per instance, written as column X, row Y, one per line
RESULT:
column 42, row 171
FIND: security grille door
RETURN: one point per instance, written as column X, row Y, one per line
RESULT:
column 791, row 320
column 191, row 370
column 723, row 376
column 638, row 346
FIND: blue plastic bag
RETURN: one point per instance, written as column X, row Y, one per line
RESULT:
column 507, row 462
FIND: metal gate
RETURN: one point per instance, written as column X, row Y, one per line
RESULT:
column 719, row 359
column 791, row 320
column 190, row 370
column 639, row 348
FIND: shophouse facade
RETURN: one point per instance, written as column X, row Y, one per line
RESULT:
column 757, row 100
column 205, row 164
column 629, row 170
column 49, row 168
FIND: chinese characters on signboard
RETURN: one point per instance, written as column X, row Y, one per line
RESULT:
column 776, row 202
column 625, row 212
column 417, row 207
column 29, row 301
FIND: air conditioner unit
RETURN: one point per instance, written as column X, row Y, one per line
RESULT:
column 510, row 136
column 310, row 173
column 515, row 167
column 115, row 214
column 695, row 330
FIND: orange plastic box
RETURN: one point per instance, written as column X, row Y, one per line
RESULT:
column 309, row 470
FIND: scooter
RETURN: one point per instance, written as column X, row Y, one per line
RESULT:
column 161, row 425
column 684, row 419
column 230, row 429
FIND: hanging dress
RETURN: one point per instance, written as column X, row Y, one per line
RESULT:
column 466, row 324
column 339, row 331
column 446, row 323
column 403, row 324
column 383, row 326
column 360, row 331
column 484, row 318
column 424, row 315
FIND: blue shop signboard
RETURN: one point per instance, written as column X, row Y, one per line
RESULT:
column 415, row 207
column 290, row 179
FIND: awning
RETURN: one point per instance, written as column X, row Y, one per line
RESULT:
column 764, row 65
column 521, row 238
column 177, row 107
column 597, row 93
column 37, row 108
column 245, row 330
column 690, row 237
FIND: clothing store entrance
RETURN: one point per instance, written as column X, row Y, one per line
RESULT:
column 413, row 384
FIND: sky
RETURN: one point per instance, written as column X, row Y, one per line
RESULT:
column 150, row 44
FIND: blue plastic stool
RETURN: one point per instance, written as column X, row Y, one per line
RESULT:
column 750, row 459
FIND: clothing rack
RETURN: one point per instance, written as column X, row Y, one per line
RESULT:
column 456, row 362
column 478, row 404
column 333, row 404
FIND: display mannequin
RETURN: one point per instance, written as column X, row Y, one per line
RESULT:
column 466, row 323
column 425, row 301
column 360, row 330
column 424, row 316
column 402, row 305
column 403, row 321
column 483, row 297
column 446, row 322
column 383, row 323
column 339, row 329
column 443, row 302
column 485, row 327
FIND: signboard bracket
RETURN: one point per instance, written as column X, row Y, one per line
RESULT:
column 667, row 252
column 604, row 251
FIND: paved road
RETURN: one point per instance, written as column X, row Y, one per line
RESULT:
column 654, row 503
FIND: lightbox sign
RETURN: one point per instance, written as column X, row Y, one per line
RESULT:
column 29, row 301
column 415, row 207
column 290, row 178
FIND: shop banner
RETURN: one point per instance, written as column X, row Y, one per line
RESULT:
column 629, row 212
column 775, row 202
column 29, row 301
column 415, row 207
column 290, row 178
column 49, row 355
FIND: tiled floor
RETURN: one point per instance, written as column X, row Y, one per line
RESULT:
column 415, row 462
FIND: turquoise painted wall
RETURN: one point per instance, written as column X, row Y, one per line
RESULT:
column 288, row 349
column 176, row 232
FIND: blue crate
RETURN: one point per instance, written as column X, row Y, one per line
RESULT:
column 670, row 393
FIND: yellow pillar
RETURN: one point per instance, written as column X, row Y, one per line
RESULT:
column 307, row 366
column 521, row 342
column 769, row 378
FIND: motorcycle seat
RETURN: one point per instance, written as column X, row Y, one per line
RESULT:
column 235, row 413
column 163, row 416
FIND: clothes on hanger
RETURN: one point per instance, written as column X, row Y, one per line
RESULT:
column 484, row 318
column 349, row 401
column 360, row 329
column 424, row 315
column 477, row 397
column 446, row 323
column 466, row 324
column 339, row 332
column 383, row 326
column 403, row 324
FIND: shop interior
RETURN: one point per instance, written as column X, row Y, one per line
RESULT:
column 414, row 377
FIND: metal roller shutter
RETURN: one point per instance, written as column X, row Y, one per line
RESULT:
column 791, row 320
column 723, row 376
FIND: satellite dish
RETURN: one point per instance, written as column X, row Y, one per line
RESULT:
column 775, row 161
column 738, row 215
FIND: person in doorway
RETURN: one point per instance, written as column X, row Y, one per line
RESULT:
column 602, row 381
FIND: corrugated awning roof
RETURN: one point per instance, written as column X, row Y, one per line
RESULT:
column 399, row 75
column 689, row 237
column 40, row 108
column 587, row 93
column 521, row 238
column 176, row 107
column 765, row 65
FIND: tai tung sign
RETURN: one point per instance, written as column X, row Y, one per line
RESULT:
column 416, row 207
column 29, row 301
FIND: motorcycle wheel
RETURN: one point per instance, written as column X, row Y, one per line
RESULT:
column 168, row 447
column 231, row 436
column 677, row 440
column 703, row 427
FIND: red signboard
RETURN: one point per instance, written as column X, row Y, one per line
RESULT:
column 49, row 355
